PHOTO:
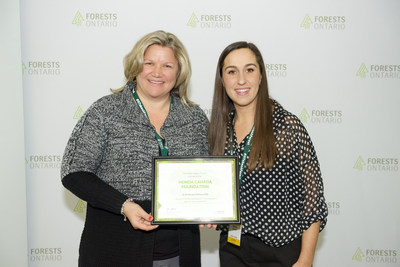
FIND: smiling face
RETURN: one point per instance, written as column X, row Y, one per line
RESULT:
column 159, row 74
column 241, row 77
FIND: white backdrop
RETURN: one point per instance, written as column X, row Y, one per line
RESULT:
column 335, row 64
column 12, row 167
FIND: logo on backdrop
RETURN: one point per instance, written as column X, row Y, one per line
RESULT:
column 377, row 164
column 24, row 68
column 321, row 116
column 329, row 23
column 210, row 21
column 80, row 206
column 377, row 71
column 78, row 113
column 45, row 68
column 376, row 256
column 45, row 254
column 358, row 255
column 78, row 19
column 207, row 111
column 44, row 161
column 276, row 70
column 95, row 20
column 333, row 208
column 193, row 21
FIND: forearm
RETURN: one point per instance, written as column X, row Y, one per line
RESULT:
column 94, row 191
column 308, row 245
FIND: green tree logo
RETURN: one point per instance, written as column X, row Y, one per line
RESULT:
column 78, row 113
column 80, row 206
column 362, row 71
column 306, row 23
column 78, row 19
column 23, row 68
column 193, row 21
column 360, row 163
column 358, row 255
column 304, row 116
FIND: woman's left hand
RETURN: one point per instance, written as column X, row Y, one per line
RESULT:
column 138, row 218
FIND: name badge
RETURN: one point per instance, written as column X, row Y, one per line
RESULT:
column 234, row 234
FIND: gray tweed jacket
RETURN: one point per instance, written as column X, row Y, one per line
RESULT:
column 109, row 158
column 116, row 142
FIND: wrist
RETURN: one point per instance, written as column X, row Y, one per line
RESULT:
column 123, row 206
column 304, row 262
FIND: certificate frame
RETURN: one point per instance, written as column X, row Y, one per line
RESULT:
column 195, row 190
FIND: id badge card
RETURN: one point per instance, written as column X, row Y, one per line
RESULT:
column 234, row 234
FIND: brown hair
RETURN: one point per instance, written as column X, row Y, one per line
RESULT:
column 263, row 149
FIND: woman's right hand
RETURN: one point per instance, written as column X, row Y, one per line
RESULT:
column 138, row 218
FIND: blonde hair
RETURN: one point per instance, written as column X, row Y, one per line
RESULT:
column 133, row 62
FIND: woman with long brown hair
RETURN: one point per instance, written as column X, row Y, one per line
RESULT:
column 281, row 190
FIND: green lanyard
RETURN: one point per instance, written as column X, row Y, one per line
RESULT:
column 162, row 143
column 245, row 152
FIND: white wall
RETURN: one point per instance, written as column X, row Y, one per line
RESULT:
column 335, row 64
column 13, row 228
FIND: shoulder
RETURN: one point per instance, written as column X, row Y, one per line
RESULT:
column 108, row 104
column 199, row 117
column 291, row 134
column 194, row 112
column 198, row 112
column 285, row 120
column 113, row 99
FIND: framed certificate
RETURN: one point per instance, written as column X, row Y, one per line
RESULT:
column 195, row 190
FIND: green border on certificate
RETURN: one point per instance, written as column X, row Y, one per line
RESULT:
column 195, row 190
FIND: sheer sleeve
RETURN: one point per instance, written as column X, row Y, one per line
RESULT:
column 304, row 157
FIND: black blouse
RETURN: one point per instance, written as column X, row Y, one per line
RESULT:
column 279, row 204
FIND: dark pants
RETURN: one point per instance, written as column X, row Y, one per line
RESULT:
column 255, row 253
column 172, row 262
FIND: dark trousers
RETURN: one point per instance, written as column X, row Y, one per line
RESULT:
column 255, row 253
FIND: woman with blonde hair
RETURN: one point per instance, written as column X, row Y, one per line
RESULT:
column 108, row 159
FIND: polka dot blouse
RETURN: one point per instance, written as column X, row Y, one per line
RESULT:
column 279, row 204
